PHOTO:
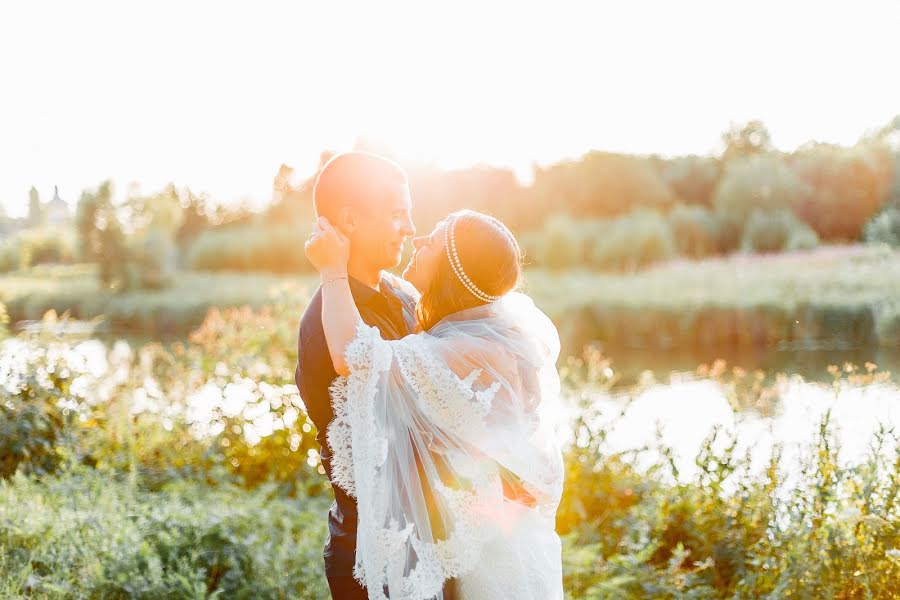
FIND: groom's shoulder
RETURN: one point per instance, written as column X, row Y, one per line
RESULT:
column 401, row 288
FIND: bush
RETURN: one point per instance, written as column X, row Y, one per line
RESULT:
column 9, row 256
column 884, row 228
column 155, row 259
column 277, row 249
column 777, row 231
column 634, row 241
column 600, row 185
column 693, row 178
column 848, row 186
column 561, row 242
column 95, row 535
column 696, row 231
column 36, row 246
column 634, row 528
column 35, row 425
column 760, row 182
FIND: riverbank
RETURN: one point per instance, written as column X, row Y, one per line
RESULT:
column 839, row 297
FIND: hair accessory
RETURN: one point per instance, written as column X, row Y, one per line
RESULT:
column 450, row 243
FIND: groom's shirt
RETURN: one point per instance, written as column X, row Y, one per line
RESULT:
column 383, row 309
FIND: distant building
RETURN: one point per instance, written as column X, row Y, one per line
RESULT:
column 57, row 210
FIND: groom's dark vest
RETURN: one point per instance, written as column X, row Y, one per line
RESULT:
column 314, row 375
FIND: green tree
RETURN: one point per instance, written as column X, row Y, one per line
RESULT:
column 154, row 221
column 100, row 236
column 745, row 140
column 756, row 182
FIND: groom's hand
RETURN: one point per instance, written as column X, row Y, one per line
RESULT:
column 328, row 249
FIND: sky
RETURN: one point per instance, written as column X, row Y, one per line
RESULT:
column 216, row 95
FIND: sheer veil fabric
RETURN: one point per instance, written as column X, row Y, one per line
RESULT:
column 447, row 439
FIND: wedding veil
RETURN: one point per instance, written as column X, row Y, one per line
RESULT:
column 444, row 438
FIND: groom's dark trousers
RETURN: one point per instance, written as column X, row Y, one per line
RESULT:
column 383, row 309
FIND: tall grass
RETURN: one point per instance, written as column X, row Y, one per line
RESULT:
column 174, row 310
column 96, row 516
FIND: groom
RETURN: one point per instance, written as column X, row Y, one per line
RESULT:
column 367, row 197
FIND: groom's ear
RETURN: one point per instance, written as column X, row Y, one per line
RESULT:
column 347, row 220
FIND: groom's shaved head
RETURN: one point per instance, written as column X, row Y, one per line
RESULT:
column 358, row 179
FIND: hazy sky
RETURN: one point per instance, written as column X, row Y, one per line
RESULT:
column 216, row 95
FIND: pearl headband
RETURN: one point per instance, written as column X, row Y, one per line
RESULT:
column 450, row 244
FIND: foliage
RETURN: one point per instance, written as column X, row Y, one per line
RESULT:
column 759, row 182
column 4, row 322
column 133, row 244
column 750, row 139
column 40, row 245
column 277, row 249
column 173, row 310
column 224, row 403
column 695, row 231
column 136, row 493
column 847, row 187
column 95, row 535
column 626, row 243
column 634, row 241
column 601, row 185
column 777, row 231
column 885, row 227
column 692, row 178
column 837, row 296
column 637, row 530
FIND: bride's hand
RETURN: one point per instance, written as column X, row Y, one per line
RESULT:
column 328, row 249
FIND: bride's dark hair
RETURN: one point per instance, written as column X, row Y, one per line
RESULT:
column 490, row 257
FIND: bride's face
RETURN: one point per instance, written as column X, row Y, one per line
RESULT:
column 423, row 265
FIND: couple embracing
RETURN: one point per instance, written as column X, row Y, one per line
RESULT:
column 435, row 397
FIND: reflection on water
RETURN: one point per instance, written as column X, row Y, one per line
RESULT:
column 685, row 410
column 683, row 407
column 812, row 365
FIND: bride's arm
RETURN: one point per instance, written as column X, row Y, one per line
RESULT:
column 339, row 318
column 328, row 251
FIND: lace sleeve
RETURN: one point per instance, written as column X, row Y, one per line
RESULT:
column 423, row 434
column 365, row 358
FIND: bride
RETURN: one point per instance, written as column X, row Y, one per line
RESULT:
column 446, row 437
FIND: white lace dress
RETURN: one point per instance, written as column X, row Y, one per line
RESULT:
column 447, row 439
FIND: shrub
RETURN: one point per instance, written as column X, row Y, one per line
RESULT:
column 95, row 535
column 634, row 241
column 601, row 185
column 759, row 182
column 36, row 246
column 884, row 228
column 847, row 185
column 559, row 245
column 35, row 423
column 155, row 258
column 693, row 178
column 277, row 249
column 696, row 231
column 777, row 231
column 9, row 256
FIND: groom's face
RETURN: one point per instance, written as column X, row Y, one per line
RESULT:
column 382, row 228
